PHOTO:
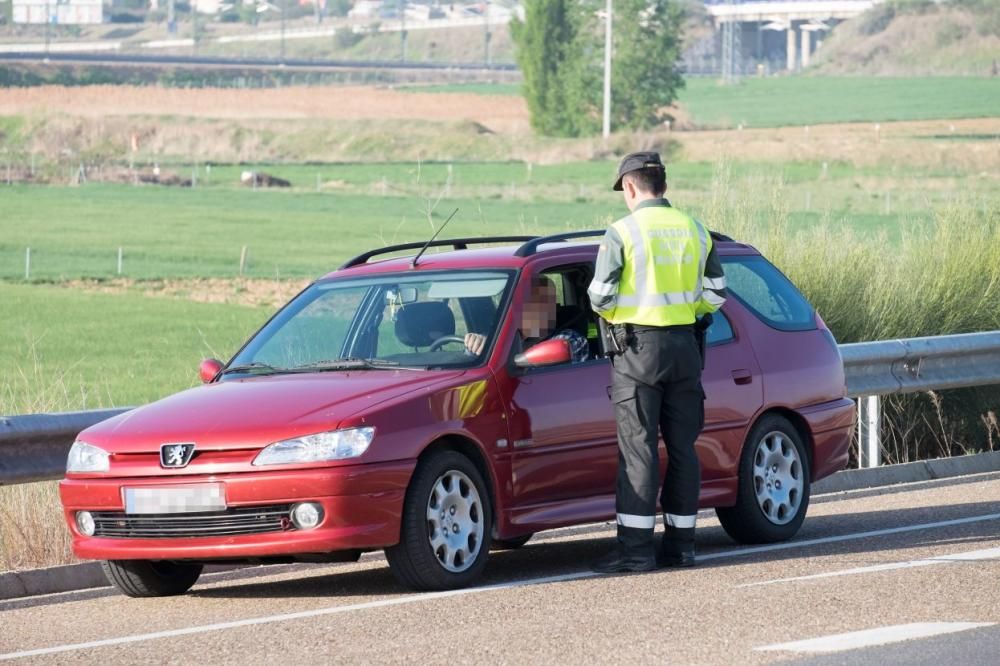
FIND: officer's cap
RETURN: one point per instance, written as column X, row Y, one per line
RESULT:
column 634, row 162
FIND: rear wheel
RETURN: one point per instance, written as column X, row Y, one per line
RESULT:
column 773, row 493
column 445, row 532
column 145, row 578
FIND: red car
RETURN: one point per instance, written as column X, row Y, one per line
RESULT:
column 357, row 419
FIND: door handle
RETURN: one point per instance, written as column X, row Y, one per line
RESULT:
column 742, row 376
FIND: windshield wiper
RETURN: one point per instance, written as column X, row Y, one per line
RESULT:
column 255, row 367
column 350, row 363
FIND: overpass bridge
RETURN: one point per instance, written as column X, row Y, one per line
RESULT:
column 793, row 17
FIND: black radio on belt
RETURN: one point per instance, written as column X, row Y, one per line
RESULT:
column 615, row 338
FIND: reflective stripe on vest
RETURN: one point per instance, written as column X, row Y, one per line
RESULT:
column 665, row 253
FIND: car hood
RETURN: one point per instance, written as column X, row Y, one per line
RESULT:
column 254, row 412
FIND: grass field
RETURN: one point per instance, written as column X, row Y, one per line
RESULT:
column 810, row 100
column 66, row 349
column 194, row 232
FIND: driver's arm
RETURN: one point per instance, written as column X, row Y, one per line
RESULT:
column 474, row 343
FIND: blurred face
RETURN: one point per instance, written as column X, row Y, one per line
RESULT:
column 538, row 318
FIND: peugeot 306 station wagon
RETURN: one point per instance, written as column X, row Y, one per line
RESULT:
column 356, row 419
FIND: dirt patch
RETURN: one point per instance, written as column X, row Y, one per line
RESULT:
column 492, row 112
column 238, row 291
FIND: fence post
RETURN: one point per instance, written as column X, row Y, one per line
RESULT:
column 869, row 428
column 27, row 263
column 119, row 260
column 243, row 260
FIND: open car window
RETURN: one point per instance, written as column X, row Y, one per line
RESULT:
column 410, row 320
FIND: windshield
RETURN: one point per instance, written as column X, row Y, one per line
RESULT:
column 396, row 320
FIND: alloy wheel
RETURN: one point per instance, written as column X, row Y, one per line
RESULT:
column 455, row 521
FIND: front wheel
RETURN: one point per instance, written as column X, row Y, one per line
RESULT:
column 774, row 486
column 145, row 578
column 445, row 532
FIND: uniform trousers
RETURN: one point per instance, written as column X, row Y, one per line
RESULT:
column 656, row 389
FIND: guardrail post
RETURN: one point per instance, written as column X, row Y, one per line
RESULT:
column 869, row 429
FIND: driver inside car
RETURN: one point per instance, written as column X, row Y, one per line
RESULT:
column 537, row 322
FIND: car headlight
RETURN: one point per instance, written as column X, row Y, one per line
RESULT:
column 334, row 445
column 85, row 457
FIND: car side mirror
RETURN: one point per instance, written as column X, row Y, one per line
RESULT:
column 549, row 352
column 208, row 369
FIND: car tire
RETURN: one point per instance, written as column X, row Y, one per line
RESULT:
column 511, row 544
column 445, row 529
column 145, row 578
column 774, row 484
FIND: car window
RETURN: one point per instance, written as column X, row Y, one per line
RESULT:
column 573, row 311
column 317, row 332
column 409, row 319
column 768, row 293
column 720, row 331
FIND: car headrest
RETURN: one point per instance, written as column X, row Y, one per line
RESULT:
column 420, row 324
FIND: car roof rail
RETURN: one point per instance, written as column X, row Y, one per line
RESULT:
column 531, row 247
column 455, row 243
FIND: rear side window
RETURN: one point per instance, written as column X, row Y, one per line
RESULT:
column 720, row 331
column 768, row 293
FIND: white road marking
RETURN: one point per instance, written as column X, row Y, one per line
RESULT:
column 968, row 556
column 430, row 596
column 846, row 537
column 268, row 619
column 872, row 637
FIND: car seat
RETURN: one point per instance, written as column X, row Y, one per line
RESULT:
column 420, row 324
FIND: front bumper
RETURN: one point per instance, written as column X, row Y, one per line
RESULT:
column 362, row 505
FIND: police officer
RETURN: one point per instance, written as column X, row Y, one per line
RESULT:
column 657, row 272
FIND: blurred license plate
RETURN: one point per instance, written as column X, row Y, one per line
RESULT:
column 193, row 498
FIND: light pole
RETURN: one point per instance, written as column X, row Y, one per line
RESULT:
column 487, row 35
column 607, row 73
column 402, row 30
column 283, row 3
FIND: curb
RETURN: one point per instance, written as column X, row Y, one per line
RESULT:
column 88, row 575
column 922, row 470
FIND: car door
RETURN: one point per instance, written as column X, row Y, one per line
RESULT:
column 563, row 441
column 734, row 393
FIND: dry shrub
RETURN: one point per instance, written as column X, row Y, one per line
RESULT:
column 32, row 531
column 940, row 278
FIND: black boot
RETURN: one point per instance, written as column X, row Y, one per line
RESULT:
column 676, row 548
column 621, row 560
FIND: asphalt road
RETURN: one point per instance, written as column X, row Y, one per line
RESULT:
column 902, row 575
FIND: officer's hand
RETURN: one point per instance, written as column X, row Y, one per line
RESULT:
column 475, row 342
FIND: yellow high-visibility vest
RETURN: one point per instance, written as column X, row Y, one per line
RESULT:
column 664, row 259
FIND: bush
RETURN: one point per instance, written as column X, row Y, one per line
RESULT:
column 940, row 278
column 126, row 17
column 345, row 38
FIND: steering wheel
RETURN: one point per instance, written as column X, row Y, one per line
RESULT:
column 442, row 341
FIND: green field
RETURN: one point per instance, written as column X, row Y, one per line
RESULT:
column 778, row 101
column 195, row 232
column 63, row 349
column 804, row 100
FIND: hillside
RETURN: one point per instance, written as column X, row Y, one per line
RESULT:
column 916, row 37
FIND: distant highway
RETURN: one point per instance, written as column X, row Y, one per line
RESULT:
column 202, row 62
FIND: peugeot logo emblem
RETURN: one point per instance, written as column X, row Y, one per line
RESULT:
column 176, row 454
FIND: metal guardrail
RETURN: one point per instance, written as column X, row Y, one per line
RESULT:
column 34, row 447
column 921, row 364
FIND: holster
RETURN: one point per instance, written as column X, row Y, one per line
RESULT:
column 614, row 338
